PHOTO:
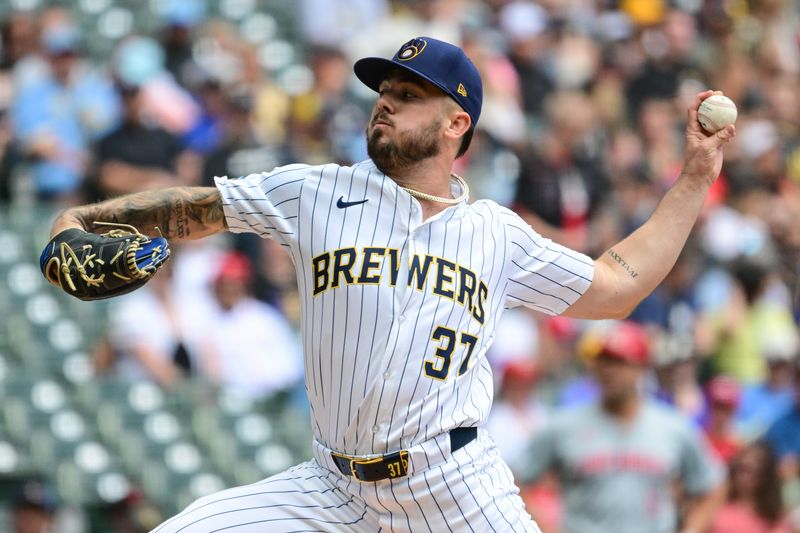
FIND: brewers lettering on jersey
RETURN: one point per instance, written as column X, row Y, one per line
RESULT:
column 402, row 282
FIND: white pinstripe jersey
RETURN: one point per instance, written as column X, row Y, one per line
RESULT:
column 397, row 313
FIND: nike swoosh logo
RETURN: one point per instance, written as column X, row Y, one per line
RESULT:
column 341, row 204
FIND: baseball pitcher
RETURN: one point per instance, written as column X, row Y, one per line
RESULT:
column 402, row 282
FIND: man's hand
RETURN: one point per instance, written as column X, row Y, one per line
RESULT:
column 703, row 159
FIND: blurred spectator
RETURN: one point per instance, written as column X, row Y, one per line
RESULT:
column 784, row 436
column 324, row 121
column 754, row 503
column 180, row 17
column 723, row 399
column 562, row 181
column 617, row 460
column 205, row 134
column 525, row 25
column 329, row 22
column 245, row 344
column 34, row 505
column 58, row 112
column 516, row 414
column 138, row 155
column 140, row 62
column 668, row 49
column 18, row 35
column 763, row 403
column 672, row 305
column 753, row 319
column 239, row 151
column 17, row 39
column 275, row 281
column 133, row 514
column 658, row 122
column 150, row 333
column 676, row 371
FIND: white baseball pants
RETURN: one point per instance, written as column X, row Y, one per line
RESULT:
column 469, row 490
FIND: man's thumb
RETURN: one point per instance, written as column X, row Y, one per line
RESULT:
column 724, row 135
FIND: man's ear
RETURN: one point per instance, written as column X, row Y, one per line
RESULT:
column 458, row 123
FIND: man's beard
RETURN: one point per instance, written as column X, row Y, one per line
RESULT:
column 410, row 148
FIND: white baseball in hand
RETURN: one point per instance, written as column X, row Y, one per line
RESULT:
column 716, row 112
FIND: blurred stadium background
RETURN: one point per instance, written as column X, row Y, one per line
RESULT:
column 581, row 134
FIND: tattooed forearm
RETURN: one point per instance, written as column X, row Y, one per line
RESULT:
column 623, row 264
column 177, row 213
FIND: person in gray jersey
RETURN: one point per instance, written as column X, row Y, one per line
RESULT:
column 402, row 282
column 617, row 459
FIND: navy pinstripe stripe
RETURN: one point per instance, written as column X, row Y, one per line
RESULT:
column 308, row 345
column 479, row 351
column 293, row 519
column 402, row 507
column 342, row 360
column 266, row 214
column 432, row 495
column 416, row 501
column 484, row 341
column 455, row 500
column 396, row 334
column 377, row 303
column 361, row 321
column 332, row 317
column 492, row 498
column 378, row 499
column 534, row 289
column 283, row 185
column 514, row 218
column 281, row 505
column 264, row 177
column 407, row 359
column 433, row 325
column 290, row 199
column 561, row 267
column 548, row 279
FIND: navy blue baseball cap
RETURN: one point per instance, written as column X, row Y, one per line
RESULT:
column 443, row 64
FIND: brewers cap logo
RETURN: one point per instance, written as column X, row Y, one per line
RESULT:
column 411, row 49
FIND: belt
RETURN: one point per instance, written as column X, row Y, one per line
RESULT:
column 395, row 464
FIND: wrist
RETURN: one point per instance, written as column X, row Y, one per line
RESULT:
column 699, row 181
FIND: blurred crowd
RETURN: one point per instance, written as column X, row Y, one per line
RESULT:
column 582, row 132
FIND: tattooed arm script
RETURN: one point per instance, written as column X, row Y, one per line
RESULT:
column 623, row 263
column 178, row 213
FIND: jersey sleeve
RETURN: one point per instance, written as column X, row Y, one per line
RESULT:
column 267, row 204
column 542, row 275
column 700, row 469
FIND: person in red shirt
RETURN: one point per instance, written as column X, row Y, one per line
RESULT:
column 723, row 400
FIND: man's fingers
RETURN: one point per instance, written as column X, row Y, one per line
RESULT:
column 692, row 125
column 723, row 136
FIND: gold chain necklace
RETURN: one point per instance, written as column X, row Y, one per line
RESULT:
column 449, row 201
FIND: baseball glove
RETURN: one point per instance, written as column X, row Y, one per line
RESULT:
column 92, row 267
